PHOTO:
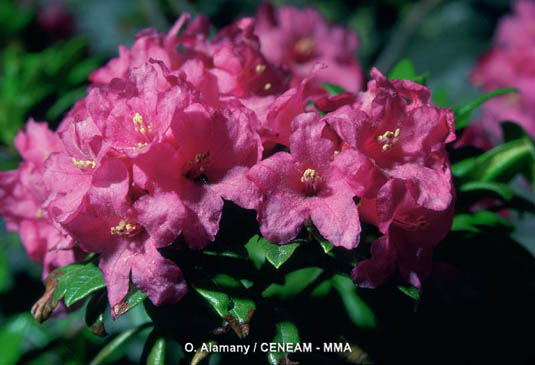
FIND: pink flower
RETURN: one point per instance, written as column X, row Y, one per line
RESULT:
column 511, row 63
column 22, row 195
column 134, row 112
column 156, row 276
column 306, row 184
column 403, row 136
column 298, row 39
column 238, row 65
column 409, row 241
column 207, row 162
column 93, row 202
column 149, row 44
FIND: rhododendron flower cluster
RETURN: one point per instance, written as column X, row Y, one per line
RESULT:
column 510, row 63
column 181, row 122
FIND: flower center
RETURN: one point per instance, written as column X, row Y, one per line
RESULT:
column 304, row 46
column 388, row 139
column 197, row 166
column 84, row 163
column 311, row 180
column 124, row 228
column 142, row 128
column 411, row 222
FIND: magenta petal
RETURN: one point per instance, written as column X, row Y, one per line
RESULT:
column 336, row 216
column 156, row 276
column 374, row 271
column 162, row 215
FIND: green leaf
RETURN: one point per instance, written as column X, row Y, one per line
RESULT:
column 254, row 252
column 94, row 313
column 294, row 283
column 359, row 312
column 463, row 112
column 131, row 300
column 501, row 163
column 115, row 344
column 333, row 89
column 77, row 281
column 275, row 254
column 502, row 190
column 5, row 273
column 285, row 332
column 154, row 349
column 481, row 219
column 410, row 291
column 403, row 70
column 237, row 308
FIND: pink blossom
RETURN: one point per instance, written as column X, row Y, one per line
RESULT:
column 208, row 162
column 134, row 112
column 298, row 39
column 510, row 63
column 148, row 44
column 395, row 126
column 239, row 66
column 409, row 239
column 306, row 184
column 22, row 195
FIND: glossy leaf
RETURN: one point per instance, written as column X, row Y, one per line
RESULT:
column 410, row 291
column 94, row 313
column 75, row 282
column 358, row 311
column 294, row 283
column 154, row 349
column 117, row 342
column 404, row 70
column 463, row 112
column 499, row 164
column 132, row 299
column 275, row 254
column 333, row 89
column 502, row 190
column 478, row 220
column 285, row 332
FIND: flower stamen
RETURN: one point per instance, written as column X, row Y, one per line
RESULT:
column 124, row 228
column 389, row 139
column 311, row 180
column 84, row 163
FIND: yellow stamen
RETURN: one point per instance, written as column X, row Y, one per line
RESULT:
column 123, row 228
column 260, row 68
column 84, row 163
column 267, row 86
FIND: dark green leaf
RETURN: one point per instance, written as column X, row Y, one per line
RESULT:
column 410, row 291
column 285, row 332
column 403, row 70
column 117, row 342
column 77, row 281
column 333, row 89
column 94, row 313
column 254, row 252
column 275, row 254
column 294, row 283
column 359, row 312
column 502, row 190
column 479, row 220
column 463, row 112
column 154, row 349
column 132, row 299
column 82, row 283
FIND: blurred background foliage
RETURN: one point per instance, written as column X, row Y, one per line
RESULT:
column 49, row 47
